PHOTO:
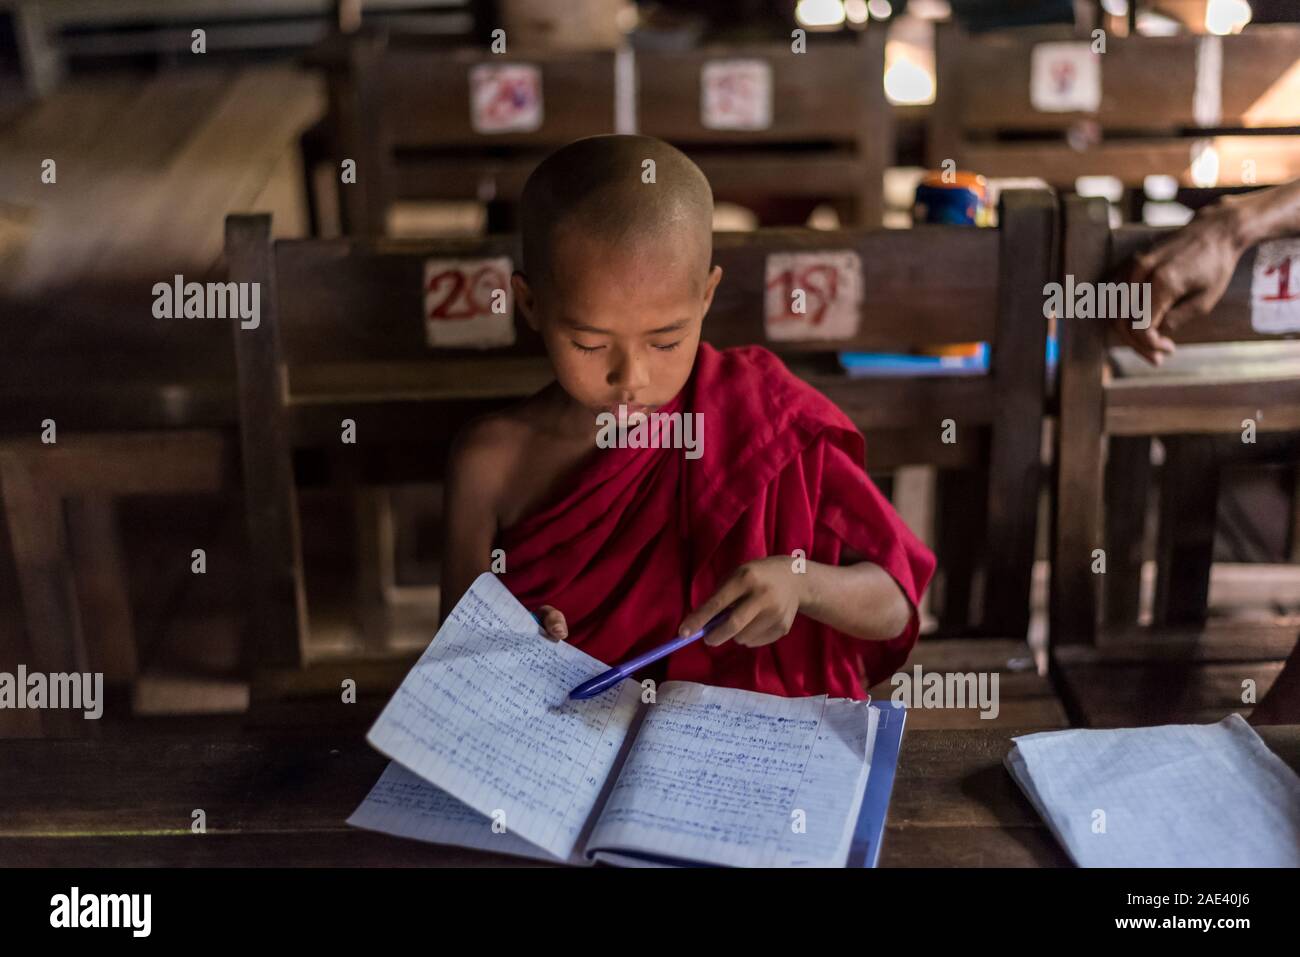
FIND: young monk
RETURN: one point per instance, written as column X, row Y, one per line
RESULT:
column 619, row 549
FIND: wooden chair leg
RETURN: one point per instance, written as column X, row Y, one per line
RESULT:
column 102, row 587
column 1128, row 476
column 1189, row 497
column 277, row 622
column 313, row 149
column 960, row 531
column 45, row 579
column 376, row 576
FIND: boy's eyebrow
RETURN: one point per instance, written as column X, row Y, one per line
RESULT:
column 583, row 327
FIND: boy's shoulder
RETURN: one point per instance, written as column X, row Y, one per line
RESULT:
column 754, row 363
column 768, row 385
column 487, row 447
column 490, row 447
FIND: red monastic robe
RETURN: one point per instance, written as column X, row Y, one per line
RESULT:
column 641, row 537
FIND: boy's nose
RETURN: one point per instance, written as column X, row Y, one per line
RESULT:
column 629, row 374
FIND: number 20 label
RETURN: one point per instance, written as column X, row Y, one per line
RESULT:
column 467, row 303
column 1275, row 287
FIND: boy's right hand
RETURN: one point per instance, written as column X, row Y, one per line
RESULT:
column 552, row 622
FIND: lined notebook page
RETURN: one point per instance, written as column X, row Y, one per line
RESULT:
column 716, row 774
column 1180, row 795
column 484, row 715
column 405, row 805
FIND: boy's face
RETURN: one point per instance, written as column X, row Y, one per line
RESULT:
column 621, row 325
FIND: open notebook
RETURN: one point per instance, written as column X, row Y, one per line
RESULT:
column 489, row 752
column 1179, row 795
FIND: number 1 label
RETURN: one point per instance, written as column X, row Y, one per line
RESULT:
column 1275, row 287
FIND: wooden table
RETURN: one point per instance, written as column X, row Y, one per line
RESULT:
column 280, row 798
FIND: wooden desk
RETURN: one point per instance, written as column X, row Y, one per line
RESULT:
column 281, row 799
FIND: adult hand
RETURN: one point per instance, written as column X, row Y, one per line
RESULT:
column 1188, row 273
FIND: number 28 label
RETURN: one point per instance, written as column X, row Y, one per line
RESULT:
column 1275, row 287
column 467, row 303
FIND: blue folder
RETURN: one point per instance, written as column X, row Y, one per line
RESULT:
column 870, row 830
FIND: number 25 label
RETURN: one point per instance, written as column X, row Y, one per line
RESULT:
column 1275, row 287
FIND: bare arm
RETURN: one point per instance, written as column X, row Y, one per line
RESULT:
column 861, row 600
column 1266, row 214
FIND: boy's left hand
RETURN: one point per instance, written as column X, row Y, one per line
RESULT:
column 765, row 594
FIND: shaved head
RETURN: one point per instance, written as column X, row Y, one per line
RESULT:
column 618, row 269
column 595, row 190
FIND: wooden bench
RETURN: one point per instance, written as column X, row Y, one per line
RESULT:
column 51, row 31
column 830, row 131
column 1147, row 116
column 401, row 107
column 59, row 506
column 343, row 336
column 1106, row 425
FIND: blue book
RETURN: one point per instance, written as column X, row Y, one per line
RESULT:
column 893, row 365
column 870, row 831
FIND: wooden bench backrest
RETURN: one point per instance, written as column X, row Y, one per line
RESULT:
column 827, row 93
column 1148, row 83
column 422, row 95
column 830, row 131
column 404, row 115
column 404, row 108
column 1147, row 112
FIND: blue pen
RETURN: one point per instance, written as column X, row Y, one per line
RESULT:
column 589, row 689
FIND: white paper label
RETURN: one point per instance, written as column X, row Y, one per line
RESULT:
column 1275, row 287
column 1064, row 78
column 736, row 95
column 467, row 303
column 813, row 295
column 505, row 98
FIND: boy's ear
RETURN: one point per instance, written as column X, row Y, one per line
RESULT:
column 711, row 285
column 525, row 302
